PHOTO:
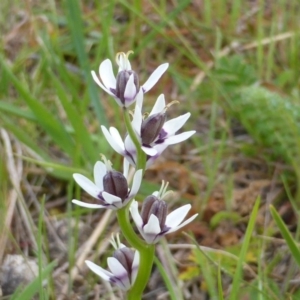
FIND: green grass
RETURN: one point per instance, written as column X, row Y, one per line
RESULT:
column 51, row 108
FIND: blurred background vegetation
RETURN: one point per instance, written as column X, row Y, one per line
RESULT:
column 234, row 64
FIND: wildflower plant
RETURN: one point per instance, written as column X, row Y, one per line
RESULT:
column 146, row 138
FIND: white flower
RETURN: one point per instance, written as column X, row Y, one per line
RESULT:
column 123, row 267
column 167, row 133
column 110, row 187
column 125, row 86
column 154, row 222
column 161, row 137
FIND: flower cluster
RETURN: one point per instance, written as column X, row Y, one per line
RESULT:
column 110, row 187
column 123, row 266
column 148, row 135
column 153, row 222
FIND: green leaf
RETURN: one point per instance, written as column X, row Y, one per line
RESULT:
column 76, row 26
column 83, row 137
column 22, row 135
column 224, row 215
column 294, row 248
column 220, row 288
column 31, row 289
column 46, row 120
column 168, row 282
column 15, row 110
column 242, row 257
column 59, row 170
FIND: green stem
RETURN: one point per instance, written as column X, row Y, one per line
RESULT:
column 146, row 262
column 146, row 255
column 140, row 154
column 127, row 230
column 146, row 251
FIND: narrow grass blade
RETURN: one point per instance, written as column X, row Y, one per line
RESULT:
column 76, row 27
column 40, row 252
column 58, row 170
column 33, row 288
column 16, row 111
column 286, row 235
column 207, row 271
column 82, row 136
column 238, row 273
column 220, row 288
column 47, row 121
column 22, row 135
column 166, row 279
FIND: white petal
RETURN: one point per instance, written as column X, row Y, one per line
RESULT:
column 130, row 152
column 107, row 75
column 123, row 62
column 119, row 271
column 99, row 173
column 159, row 105
column 87, row 205
column 137, row 120
column 154, row 77
column 135, row 266
column 135, row 214
column 179, row 137
column 136, row 260
column 116, row 144
column 125, row 167
column 116, row 267
column 86, row 184
column 149, row 151
column 129, row 146
column 137, row 179
column 177, row 216
column 112, row 199
column 140, row 98
column 175, row 124
column 183, row 224
column 116, row 136
column 99, row 271
column 130, row 91
column 96, row 79
column 152, row 227
column 159, row 148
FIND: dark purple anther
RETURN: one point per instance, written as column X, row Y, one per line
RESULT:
column 151, row 128
column 155, row 206
column 125, row 256
column 122, row 79
column 116, row 184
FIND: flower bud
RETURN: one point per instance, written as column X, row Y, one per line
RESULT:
column 122, row 79
column 125, row 256
column 151, row 127
column 155, row 206
column 116, row 184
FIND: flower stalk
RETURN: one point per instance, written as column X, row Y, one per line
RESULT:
column 127, row 230
column 144, row 272
column 146, row 251
column 141, row 156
